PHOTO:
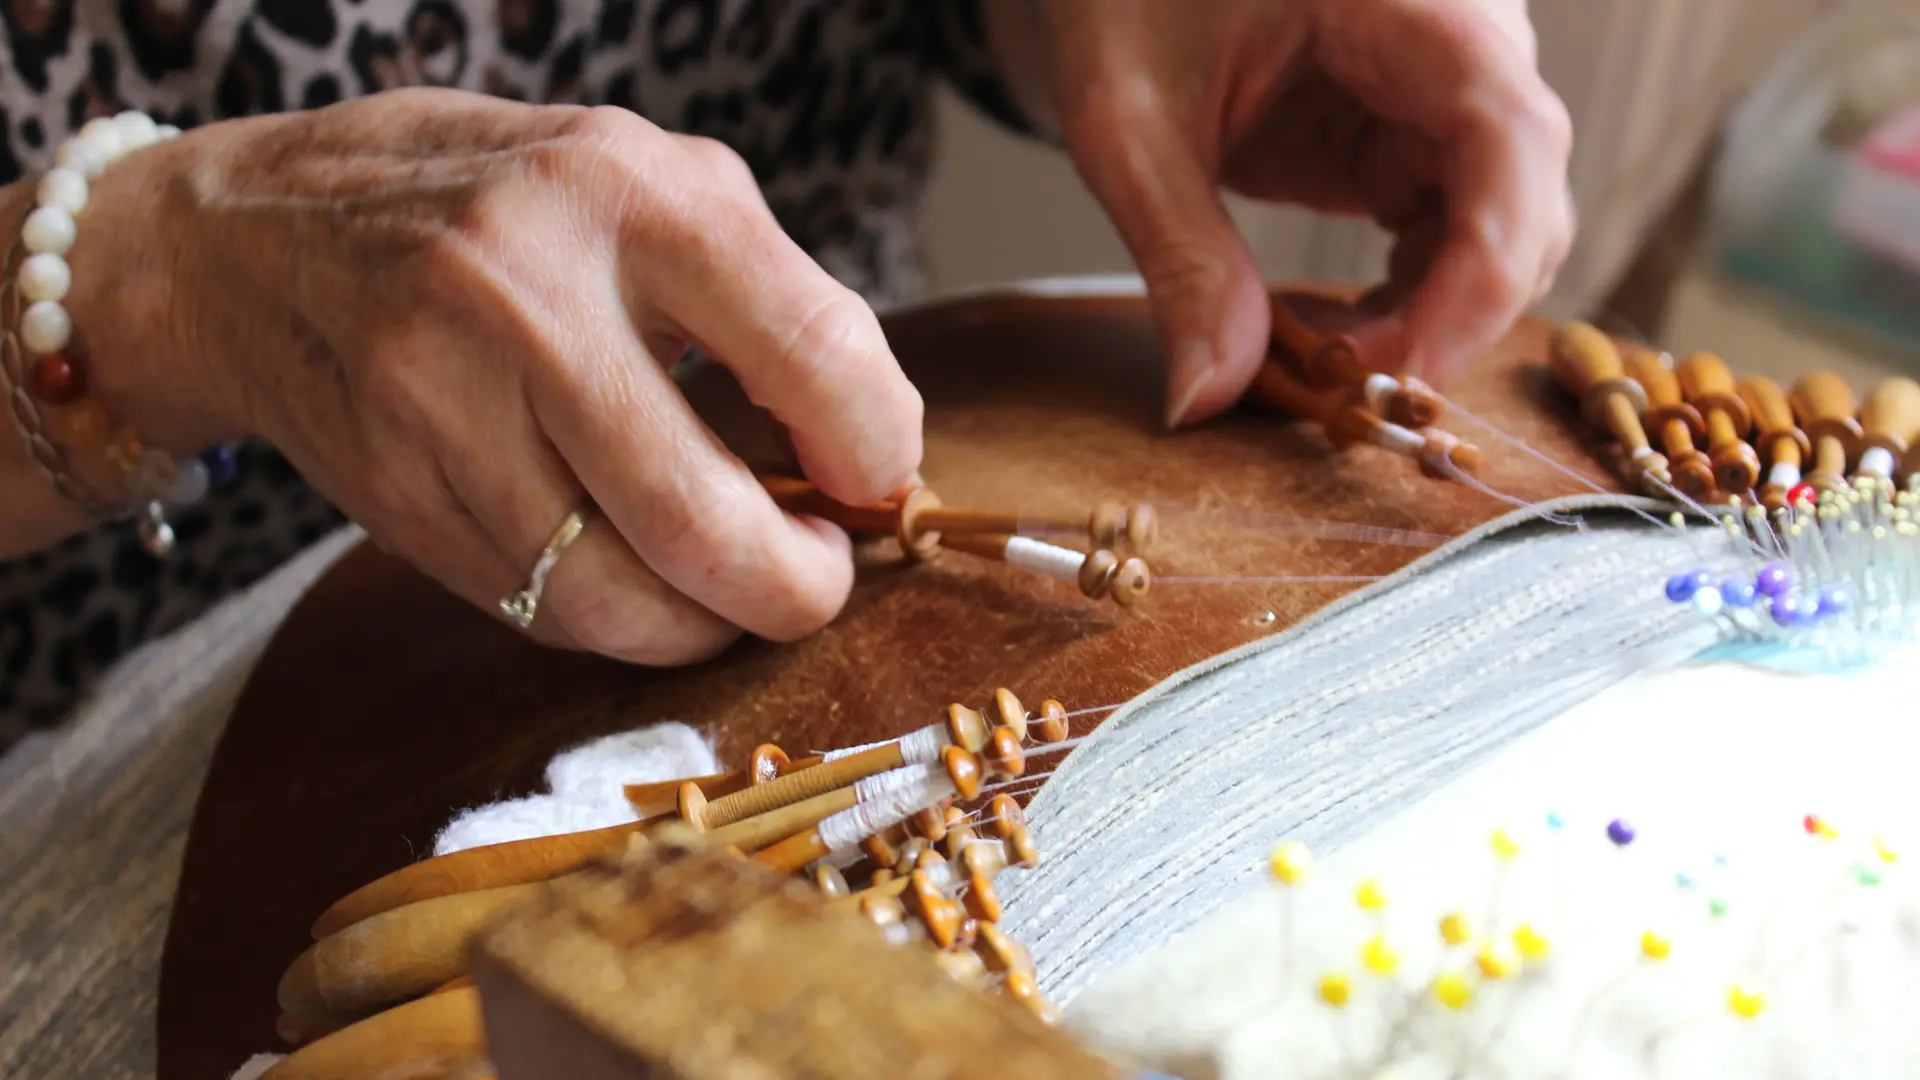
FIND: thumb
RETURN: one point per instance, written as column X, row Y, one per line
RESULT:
column 1208, row 300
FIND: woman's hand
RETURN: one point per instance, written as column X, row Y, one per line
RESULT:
column 455, row 316
column 1426, row 115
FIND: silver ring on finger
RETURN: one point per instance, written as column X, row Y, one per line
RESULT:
column 521, row 606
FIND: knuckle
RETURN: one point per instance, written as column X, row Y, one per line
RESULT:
column 840, row 333
column 727, row 166
column 636, row 629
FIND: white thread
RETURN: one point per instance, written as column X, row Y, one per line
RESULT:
column 1396, row 438
column 885, row 800
column 1378, row 387
column 923, row 747
column 1877, row 461
column 1784, row 474
column 835, row 755
column 1044, row 558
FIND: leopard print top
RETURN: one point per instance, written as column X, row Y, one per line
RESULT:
column 827, row 100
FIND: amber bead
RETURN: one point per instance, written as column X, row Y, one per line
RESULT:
column 82, row 425
column 56, row 380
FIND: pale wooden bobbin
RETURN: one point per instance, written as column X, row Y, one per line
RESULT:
column 1098, row 575
column 1587, row 365
column 963, row 773
column 1709, row 386
column 1438, row 453
column 392, row 956
column 897, row 516
column 973, row 887
column 439, row 1035
column 1823, row 403
column 768, row 762
column 1889, row 421
column 491, row 866
column 1781, row 444
column 1677, row 424
column 1332, row 362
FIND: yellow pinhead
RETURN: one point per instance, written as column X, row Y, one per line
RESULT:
column 1379, row 957
column 1531, row 943
column 1884, row 850
column 1292, row 862
column 1335, row 989
column 1453, row 990
column 1498, row 959
column 1369, row 896
column 1455, row 930
column 1655, row 947
column 1504, row 845
column 1746, row 1003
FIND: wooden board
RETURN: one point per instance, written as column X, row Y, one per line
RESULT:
column 384, row 704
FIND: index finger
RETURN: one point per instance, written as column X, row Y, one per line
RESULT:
column 802, row 345
column 1451, row 72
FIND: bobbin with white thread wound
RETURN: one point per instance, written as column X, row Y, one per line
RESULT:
column 1782, row 446
column 962, row 775
column 768, row 762
column 1889, row 420
column 1098, row 575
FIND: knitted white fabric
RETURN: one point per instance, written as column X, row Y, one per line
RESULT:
column 1714, row 768
column 586, row 787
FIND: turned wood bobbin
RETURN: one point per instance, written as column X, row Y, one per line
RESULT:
column 1823, row 403
column 1587, row 364
column 1677, row 424
column 1781, row 444
column 1889, row 420
column 1709, row 386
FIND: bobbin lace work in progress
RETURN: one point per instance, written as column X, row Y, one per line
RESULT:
column 915, row 831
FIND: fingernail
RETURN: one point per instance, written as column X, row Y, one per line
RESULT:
column 1194, row 367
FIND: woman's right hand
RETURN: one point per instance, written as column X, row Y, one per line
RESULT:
column 455, row 315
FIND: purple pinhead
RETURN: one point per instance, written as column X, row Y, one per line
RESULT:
column 1619, row 832
column 1833, row 601
column 1774, row 579
column 1785, row 611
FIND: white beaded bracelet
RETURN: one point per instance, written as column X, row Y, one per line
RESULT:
column 44, row 376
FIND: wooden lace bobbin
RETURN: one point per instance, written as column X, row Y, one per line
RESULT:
column 1098, row 575
column 438, row 1036
column 1709, row 386
column 1110, row 524
column 893, row 846
column 1677, row 424
column 999, row 745
column 410, row 949
column 492, row 866
column 1889, row 420
column 963, row 773
column 1782, row 446
column 391, row 956
column 1439, row 454
column 769, row 762
column 1022, row 988
column 830, row 881
column 1332, row 362
column 1823, row 403
column 897, row 517
column 1587, row 364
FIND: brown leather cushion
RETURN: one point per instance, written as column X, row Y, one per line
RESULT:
column 384, row 704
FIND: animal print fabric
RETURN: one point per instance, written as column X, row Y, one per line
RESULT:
column 828, row 102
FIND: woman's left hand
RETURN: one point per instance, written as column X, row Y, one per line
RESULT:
column 1427, row 116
